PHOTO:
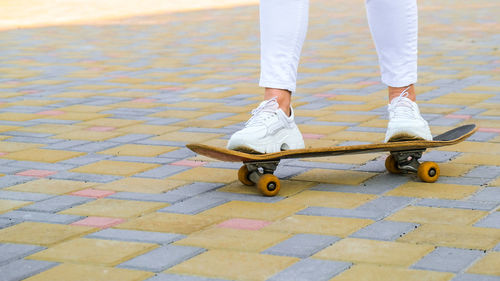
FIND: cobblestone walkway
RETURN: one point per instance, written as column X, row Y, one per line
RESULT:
column 96, row 182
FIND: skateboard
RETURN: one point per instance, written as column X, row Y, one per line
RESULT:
column 403, row 158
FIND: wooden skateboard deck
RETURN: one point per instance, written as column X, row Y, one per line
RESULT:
column 404, row 155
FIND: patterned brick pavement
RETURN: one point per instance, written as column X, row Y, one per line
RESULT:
column 96, row 182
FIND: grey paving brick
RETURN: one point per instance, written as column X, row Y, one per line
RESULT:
column 181, row 153
column 130, row 138
column 5, row 222
column 56, row 204
column 285, row 171
column 65, row 175
column 153, row 160
column 230, row 196
column 85, row 159
column 385, row 205
column 439, row 156
column 12, row 252
column 217, row 116
column 162, row 172
column 10, row 180
column 33, row 140
column 163, row 197
column 347, row 213
column 482, row 136
column 25, row 134
column 443, row 203
column 497, row 248
column 40, row 217
column 385, row 230
column 41, row 165
column 375, row 185
column 492, row 220
column 223, row 165
column 448, row 259
column 66, row 144
column 302, row 245
column 162, row 258
column 367, row 129
column 475, row 277
column 176, row 277
column 4, row 169
column 445, row 121
column 21, row 269
column 136, row 236
column 490, row 172
column 375, row 166
column 311, row 269
column 164, row 121
column 321, row 165
column 464, row 180
column 194, row 205
column 96, row 146
column 195, row 189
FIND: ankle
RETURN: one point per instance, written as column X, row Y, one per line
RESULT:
column 395, row 92
column 283, row 97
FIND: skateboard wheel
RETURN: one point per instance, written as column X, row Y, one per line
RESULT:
column 391, row 165
column 243, row 176
column 428, row 172
column 269, row 185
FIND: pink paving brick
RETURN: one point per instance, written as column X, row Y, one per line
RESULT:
column 36, row 173
column 246, row 224
column 489, row 130
column 324, row 95
column 457, row 116
column 95, row 193
column 312, row 136
column 101, row 129
column 369, row 83
column 100, row 222
column 172, row 88
column 189, row 163
column 3, row 153
column 51, row 112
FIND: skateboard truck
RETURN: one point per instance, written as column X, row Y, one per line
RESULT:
column 407, row 161
column 261, row 174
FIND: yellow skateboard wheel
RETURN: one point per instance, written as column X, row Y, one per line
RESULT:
column 428, row 172
column 243, row 176
column 391, row 165
column 269, row 185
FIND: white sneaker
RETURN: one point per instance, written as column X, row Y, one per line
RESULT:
column 268, row 130
column 405, row 121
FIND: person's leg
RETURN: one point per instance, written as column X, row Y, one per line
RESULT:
column 283, row 26
column 394, row 28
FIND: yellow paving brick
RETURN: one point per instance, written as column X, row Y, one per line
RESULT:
column 335, row 176
column 376, row 123
column 207, row 175
column 138, row 150
column 42, row 155
column 341, row 227
column 325, row 130
column 346, row 118
column 433, row 190
column 206, row 123
column 172, row 223
column 288, row 188
column 51, row 186
column 459, row 236
column 51, row 128
column 376, row 252
column 454, row 169
column 233, row 265
column 187, row 137
column 254, row 210
column 141, row 185
column 7, row 146
column 33, row 102
column 14, row 116
column 488, row 265
column 357, row 136
column 184, row 114
column 148, row 129
column 421, row 214
column 44, row 234
column 7, row 205
column 110, row 122
column 234, row 239
column 114, row 208
column 79, row 116
column 5, row 128
column 478, row 159
column 93, row 251
column 88, row 135
column 474, row 147
column 330, row 199
column 84, row 108
column 118, row 168
column 81, row 272
column 92, row 87
column 368, row 272
column 436, row 110
column 75, row 95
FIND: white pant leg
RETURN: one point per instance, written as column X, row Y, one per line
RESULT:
column 394, row 28
column 283, row 27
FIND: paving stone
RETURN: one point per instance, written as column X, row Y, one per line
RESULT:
column 385, row 230
column 96, row 146
column 65, row 175
column 85, row 159
column 10, row 180
column 56, row 204
column 153, row 160
column 194, row 205
column 193, row 189
column 484, row 172
column 130, row 138
column 20, row 216
column 301, row 245
column 12, row 252
column 470, row 204
column 136, row 236
column 492, row 220
column 311, row 269
column 162, row 172
column 229, row 196
column 475, row 277
column 33, row 140
column 163, row 197
column 42, row 166
column 464, row 181
column 66, row 144
column 448, row 259
column 439, row 156
column 162, row 258
column 21, row 269
column 177, row 277
column 10, row 170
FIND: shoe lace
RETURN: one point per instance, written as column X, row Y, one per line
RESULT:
column 263, row 112
column 402, row 106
